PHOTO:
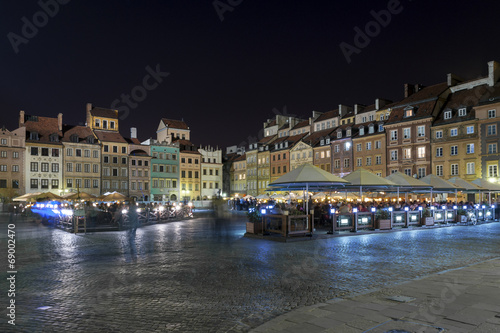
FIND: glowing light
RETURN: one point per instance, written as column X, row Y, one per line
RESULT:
column 443, row 207
column 263, row 211
column 464, row 207
column 332, row 210
column 162, row 208
column 354, row 210
column 420, row 208
column 454, row 207
column 407, row 209
column 124, row 211
column 390, row 209
column 373, row 209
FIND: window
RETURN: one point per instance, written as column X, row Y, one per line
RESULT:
column 378, row 144
column 439, row 151
column 95, row 154
column 3, row 168
column 106, row 148
column 86, row 183
column 406, row 133
column 492, row 113
column 453, row 132
column 86, row 168
column 44, row 167
column 4, row 142
column 421, row 172
column 78, row 167
column 492, row 130
column 493, row 170
column 15, row 168
column 462, row 112
column 78, row 152
column 359, row 162
column 69, row 167
column 358, row 147
column 471, row 168
column 16, row 154
column 112, row 124
column 336, row 149
column 394, row 155
column 105, row 159
column 124, row 150
column 33, row 136
column 439, row 134
column 69, row 152
column 97, row 123
column 492, row 148
column 454, row 169
column 421, row 152
column 95, row 168
column 95, row 183
column 115, row 149
column 34, row 166
column 339, row 134
column 421, row 131
column 407, row 153
column 34, row 183
column 394, row 135
column 337, row 164
column 55, row 152
column 380, row 127
column 454, row 150
column 3, row 154
column 104, row 124
column 368, row 161
column 378, row 160
column 105, row 172
column 407, row 172
column 124, row 161
column 470, row 148
column 114, row 172
column 470, row 129
column 44, row 183
column 381, row 117
column 69, row 183
column 439, row 170
column 447, row 115
column 346, row 162
column 347, row 146
column 409, row 113
column 368, row 146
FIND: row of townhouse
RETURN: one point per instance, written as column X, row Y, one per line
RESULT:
column 448, row 129
column 44, row 154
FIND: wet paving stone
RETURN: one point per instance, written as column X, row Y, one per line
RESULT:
column 200, row 276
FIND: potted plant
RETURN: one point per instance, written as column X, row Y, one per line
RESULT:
column 461, row 215
column 427, row 218
column 254, row 224
column 383, row 219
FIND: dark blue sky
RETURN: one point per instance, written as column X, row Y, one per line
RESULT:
column 226, row 77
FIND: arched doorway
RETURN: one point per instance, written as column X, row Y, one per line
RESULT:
column 173, row 197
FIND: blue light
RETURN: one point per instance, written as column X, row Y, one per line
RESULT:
column 492, row 206
column 374, row 209
column 407, row 209
column 420, row 208
column 443, row 207
column 263, row 211
column 332, row 210
column 354, row 210
column 454, row 207
column 484, row 206
column 390, row 209
column 465, row 207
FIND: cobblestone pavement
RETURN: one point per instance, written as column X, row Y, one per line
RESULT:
column 202, row 275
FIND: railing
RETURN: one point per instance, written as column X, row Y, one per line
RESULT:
column 413, row 217
column 364, row 220
column 398, row 218
column 343, row 221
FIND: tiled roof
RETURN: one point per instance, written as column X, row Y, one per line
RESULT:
column 171, row 123
column 272, row 123
column 303, row 123
column 424, row 102
column 133, row 141
column 190, row 152
column 105, row 136
column 367, row 109
column 315, row 138
column 492, row 95
column 83, row 132
column 461, row 99
column 267, row 139
column 184, row 142
column 241, row 158
column 44, row 126
column 106, row 113
column 327, row 115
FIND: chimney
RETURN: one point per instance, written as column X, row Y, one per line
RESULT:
column 343, row 110
column 493, row 72
column 358, row 108
column 453, row 79
column 87, row 116
column 21, row 118
column 59, row 121
column 133, row 132
column 409, row 89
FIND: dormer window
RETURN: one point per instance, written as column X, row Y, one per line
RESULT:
column 380, row 127
column 381, row 117
column 361, row 130
column 409, row 112
column 286, row 144
column 74, row 138
column 97, row 123
column 348, row 132
column 447, row 115
column 327, row 141
column 322, row 142
column 371, row 129
column 90, row 139
column 339, row 134
column 54, row 137
column 462, row 112
column 34, row 136
column 105, row 124
column 112, row 124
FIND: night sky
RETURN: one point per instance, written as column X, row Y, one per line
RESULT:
column 228, row 76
